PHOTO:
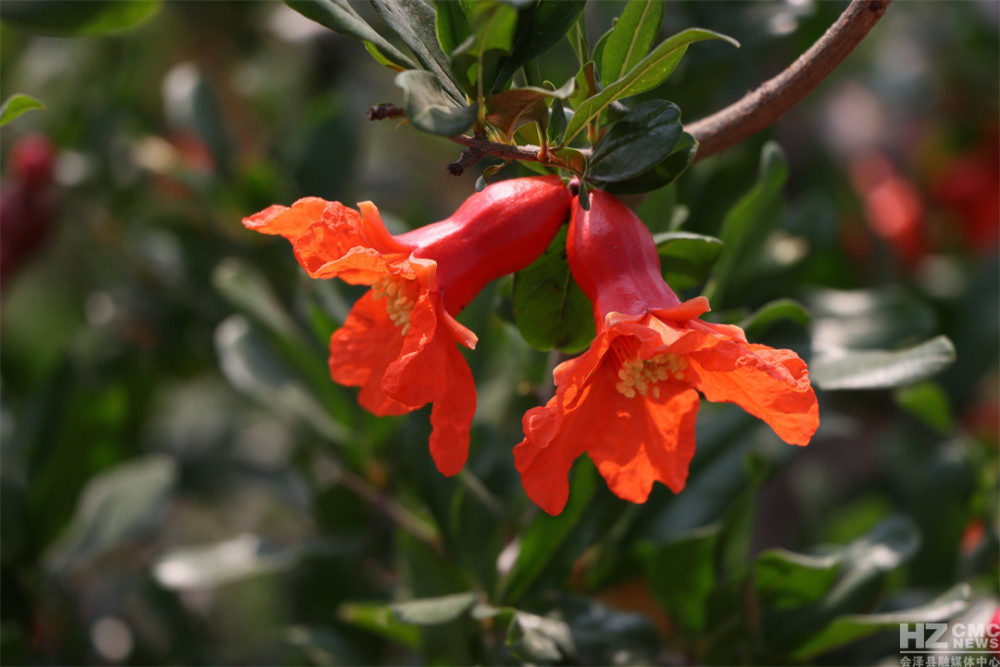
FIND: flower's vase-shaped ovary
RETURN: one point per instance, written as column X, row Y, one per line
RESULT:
column 630, row 401
column 398, row 342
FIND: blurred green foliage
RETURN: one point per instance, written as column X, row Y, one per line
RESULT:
column 182, row 483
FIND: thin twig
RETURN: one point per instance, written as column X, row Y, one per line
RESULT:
column 763, row 107
column 386, row 110
column 756, row 111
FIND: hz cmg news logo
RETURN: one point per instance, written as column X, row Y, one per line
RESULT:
column 968, row 637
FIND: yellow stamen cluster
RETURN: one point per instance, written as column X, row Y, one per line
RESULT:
column 400, row 295
column 640, row 375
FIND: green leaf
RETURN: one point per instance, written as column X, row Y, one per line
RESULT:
column 686, row 258
column 879, row 369
column 451, row 23
column 557, row 121
column 630, row 39
column 664, row 173
column 868, row 560
column 428, row 106
column 246, row 288
column 534, row 639
column 339, row 16
column 685, row 597
column 927, row 402
column 772, row 312
column 883, row 318
column 71, row 18
column 17, row 104
column 649, row 73
column 125, row 504
column 212, row 565
column 783, row 579
column 415, row 23
column 638, row 142
column 479, row 56
column 796, row 600
column 251, row 367
column 550, row 544
column 378, row 617
column 585, row 84
column 549, row 308
column 748, row 223
column 847, row 629
column 433, row 611
column 539, row 28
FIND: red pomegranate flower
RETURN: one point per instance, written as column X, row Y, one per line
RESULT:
column 397, row 343
column 630, row 401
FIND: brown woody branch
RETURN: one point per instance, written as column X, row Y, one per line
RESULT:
column 756, row 111
column 763, row 107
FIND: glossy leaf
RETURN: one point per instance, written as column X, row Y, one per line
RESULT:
column 645, row 137
column 252, row 367
column 851, row 628
column 339, row 16
column 549, row 308
column 630, row 39
column 432, row 611
column 879, row 369
column 415, row 23
column 550, row 544
column 208, row 566
column 885, row 317
column 784, row 579
column 685, row 597
column 535, row 639
column 247, row 289
column 748, row 222
column 16, row 105
column 539, row 28
column 773, row 312
column 585, row 84
column 868, row 560
column 378, row 618
column 492, row 29
column 686, row 258
column 662, row 174
column 927, row 402
column 123, row 505
column 430, row 108
column 557, row 121
column 649, row 73
column 71, row 18
column 451, row 23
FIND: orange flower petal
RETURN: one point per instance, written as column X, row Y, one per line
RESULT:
column 287, row 221
column 653, row 443
column 559, row 432
column 338, row 233
column 360, row 352
column 415, row 376
column 451, row 416
column 772, row 385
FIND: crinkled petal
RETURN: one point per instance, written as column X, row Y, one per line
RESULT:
column 653, row 443
column 687, row 310
column 451, row 416
column 431, row 369
column 576, row 419
column 287, row 221
column 415, row 376
column 770, row 384
column 359, row 266
column 361, row 351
